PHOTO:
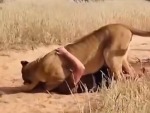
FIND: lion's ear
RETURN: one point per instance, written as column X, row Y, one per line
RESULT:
column 23, row 63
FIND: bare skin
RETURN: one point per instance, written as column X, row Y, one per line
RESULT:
column 108, row 45
column 77, row 67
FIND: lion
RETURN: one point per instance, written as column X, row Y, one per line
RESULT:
column 107, row 45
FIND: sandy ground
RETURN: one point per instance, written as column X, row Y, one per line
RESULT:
column 10, row 73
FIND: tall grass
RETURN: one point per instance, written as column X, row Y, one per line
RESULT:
column 123, row 97
column 31, row 23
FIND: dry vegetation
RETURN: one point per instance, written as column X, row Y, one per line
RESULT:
column 26, row 23
column 30, row 23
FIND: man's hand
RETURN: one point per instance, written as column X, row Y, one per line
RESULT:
column 61, row 51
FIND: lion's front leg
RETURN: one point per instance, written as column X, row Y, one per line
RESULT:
column 27, row 87
column 52, row 85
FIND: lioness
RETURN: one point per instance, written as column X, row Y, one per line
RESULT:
column 108, row 45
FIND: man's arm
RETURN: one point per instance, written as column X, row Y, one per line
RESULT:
column 78, row 67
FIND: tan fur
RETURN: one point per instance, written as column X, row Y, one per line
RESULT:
column 105, row 46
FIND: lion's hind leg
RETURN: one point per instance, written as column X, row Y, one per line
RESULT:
column 114, row 63
column 129, row 69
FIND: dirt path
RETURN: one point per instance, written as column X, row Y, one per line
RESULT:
column 41, row 102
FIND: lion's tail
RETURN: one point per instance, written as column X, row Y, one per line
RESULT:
column 139, row 32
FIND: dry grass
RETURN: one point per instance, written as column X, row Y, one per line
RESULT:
column 32, row 23
column 129, row 97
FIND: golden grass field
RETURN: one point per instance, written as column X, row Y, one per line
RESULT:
column 30, row 28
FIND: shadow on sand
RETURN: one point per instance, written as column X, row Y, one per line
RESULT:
column 14, row 90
